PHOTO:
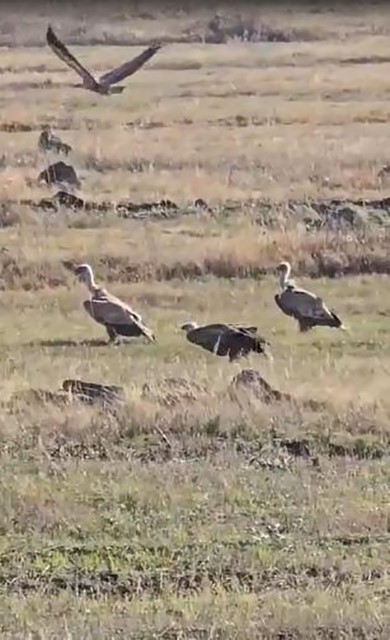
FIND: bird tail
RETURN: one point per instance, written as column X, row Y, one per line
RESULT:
column 149, row 334
column 263, row 346
column 336, row 322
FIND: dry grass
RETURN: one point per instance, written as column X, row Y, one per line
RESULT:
column 206, row 513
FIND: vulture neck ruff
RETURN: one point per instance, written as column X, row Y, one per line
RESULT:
column 89, row 280
column 285, row 275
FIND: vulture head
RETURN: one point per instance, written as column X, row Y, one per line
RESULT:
column 283, row 270
column 188, row 326
column 85, row 274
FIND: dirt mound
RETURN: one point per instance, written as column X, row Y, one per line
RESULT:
column 164, row 208
column 333, row 214
column 89, row 393
column 16, row 127
column 336, row 214
column 251, row 382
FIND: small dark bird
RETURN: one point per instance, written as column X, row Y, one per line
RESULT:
column 49, row 142
column 227, row 339
column 59, row 172
column 105, row 82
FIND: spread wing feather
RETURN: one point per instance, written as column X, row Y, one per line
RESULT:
column 64, row 54
column 128, row 68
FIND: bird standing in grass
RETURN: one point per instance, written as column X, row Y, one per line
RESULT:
column 116, row 316
column 308, row 309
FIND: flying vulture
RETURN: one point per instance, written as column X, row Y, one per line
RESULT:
column 105, row 82
column 116, row 316
column 307, row 308
column 49, row 142
column 227, row 339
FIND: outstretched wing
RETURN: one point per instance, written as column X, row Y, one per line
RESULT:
column 130, row 67
column 64, row 54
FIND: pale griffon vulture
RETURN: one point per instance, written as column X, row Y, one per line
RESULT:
column 116, row 316
column 105, row 82
column 307, row 308
column 226, row 339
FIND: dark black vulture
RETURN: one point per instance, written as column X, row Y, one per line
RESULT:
column 58, row 173
column 227, row 339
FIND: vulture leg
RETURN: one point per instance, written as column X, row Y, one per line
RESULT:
column 112, row 334
column 234, row 354
column 304, row 324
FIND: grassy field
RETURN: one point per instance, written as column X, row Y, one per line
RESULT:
column 209, row 513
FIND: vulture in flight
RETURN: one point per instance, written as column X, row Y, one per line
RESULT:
column 104, row 85
column 307, row 308
column 227, row 339
column 116, row 316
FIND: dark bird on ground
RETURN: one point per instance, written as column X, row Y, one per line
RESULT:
column 49, row 142
column 227, row 339
column 60, row 173
column 105, row 83
column 307, row 308
column 116, row 316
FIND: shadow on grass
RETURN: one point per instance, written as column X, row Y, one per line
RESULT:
column 67, row 343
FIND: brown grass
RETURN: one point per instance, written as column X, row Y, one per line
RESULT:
column 249, row 253
column 195, row 509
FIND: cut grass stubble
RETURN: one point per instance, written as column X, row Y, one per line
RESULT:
column 204, row 513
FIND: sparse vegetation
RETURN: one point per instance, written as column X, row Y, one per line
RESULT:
column 197, row 508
